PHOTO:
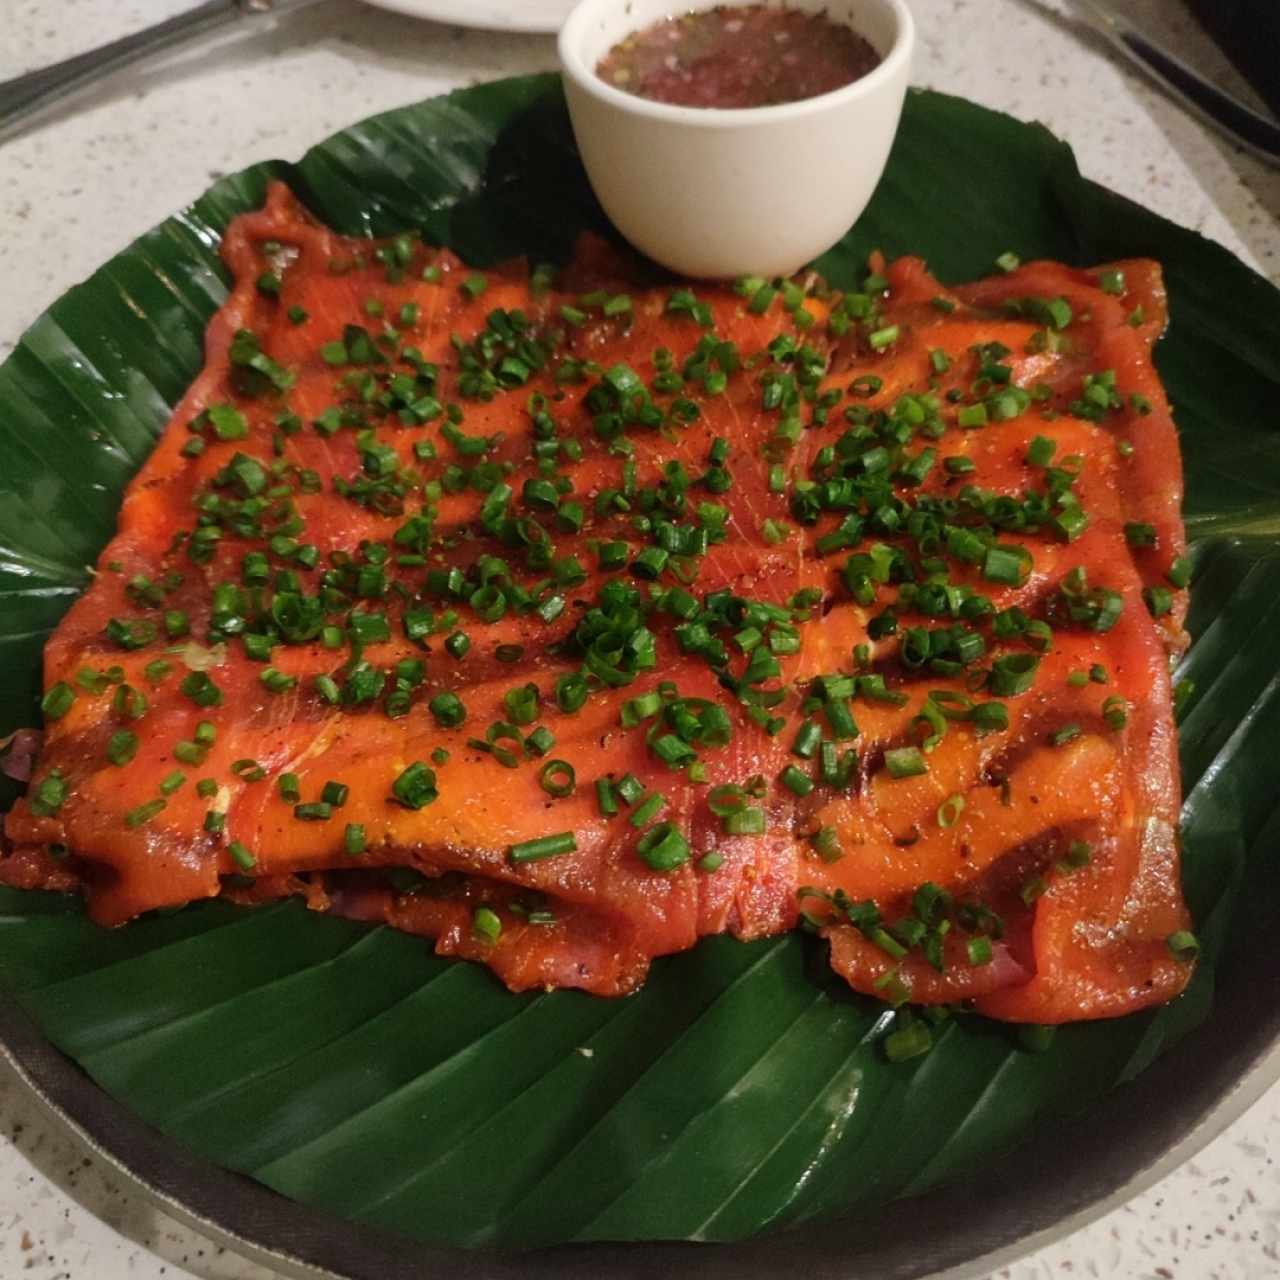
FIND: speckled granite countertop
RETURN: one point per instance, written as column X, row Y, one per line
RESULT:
column 85, row 184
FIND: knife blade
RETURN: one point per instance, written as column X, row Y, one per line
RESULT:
column 1235, row 120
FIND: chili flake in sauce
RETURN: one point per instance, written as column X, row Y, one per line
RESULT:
column 738, row 56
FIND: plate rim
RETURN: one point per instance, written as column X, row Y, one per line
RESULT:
column 942, row 1234
column 455, row 13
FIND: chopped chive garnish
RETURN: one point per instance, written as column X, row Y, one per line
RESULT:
column 1179, row 574
column 808, row 737
column 909, row 1041
column 129, row 703
column 796, row 780
column 1079, row 854
column 1013, row 674
column 1039, row 634
column 663, row 847
column 1115, row 711
column 50, row 795
column 650, row 563
column 200, row 688
column 544, row 847
column 630, row 788
column 648, row 808
column 1032, row 890
column 447, row 709
column 950, row 809
column 892, row 988
column 242, row 856
column 745, row 822
column 1184, row 944
column 415, row 788
column 726, row 799
column 826, row 844
column 605, row 798
column 990, row 717
column 635, row 710
column 1041, row 450
column 1159, row 600
column 327, row 687
column 58, row 701
column 313, row 811
column 1111, row 282
column 522, row 704
column 557, row 778
column 144, row 812
column 122, row 746
column 1005, row 565
column 673, row 750
column 277, row 681
column 1183, row 692
column 335, row 794
column 353, row 839
column 486, row 925
column 905, row 762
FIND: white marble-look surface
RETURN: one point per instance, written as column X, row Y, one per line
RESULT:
column 87, row 182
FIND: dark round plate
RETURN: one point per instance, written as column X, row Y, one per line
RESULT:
column 1068, row 1175
column 1106, row 1110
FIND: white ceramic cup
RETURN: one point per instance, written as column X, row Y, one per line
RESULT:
column 716, row 193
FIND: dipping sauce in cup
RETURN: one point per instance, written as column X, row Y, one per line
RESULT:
column 717, row 189
column 737, row 56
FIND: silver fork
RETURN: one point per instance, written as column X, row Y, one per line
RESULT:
column 25, row 98
column 1235, row 120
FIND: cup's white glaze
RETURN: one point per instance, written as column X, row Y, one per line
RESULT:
column 721, row 193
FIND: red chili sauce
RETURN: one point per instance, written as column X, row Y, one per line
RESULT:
column 751, row 55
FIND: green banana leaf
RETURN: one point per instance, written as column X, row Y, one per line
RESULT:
column 741, row 1090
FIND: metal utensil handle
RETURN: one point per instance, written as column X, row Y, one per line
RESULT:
column 1240, row 122
column 1217, row 108
column 23, row 98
